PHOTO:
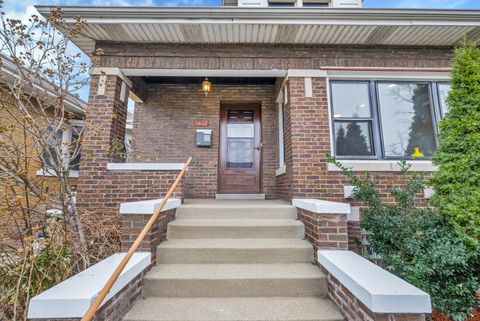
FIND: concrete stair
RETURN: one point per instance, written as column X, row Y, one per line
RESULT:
column 235, row 260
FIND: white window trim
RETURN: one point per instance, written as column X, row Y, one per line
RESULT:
column 282, row 167
column 144, row 166
column 66, row 139
column 373, row 75
column 383, row 165
column 49, row 173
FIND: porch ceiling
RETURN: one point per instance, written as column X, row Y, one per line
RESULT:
column 326, row 26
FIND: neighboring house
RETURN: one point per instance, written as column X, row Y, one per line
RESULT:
column 259, row 92
column 10, row 115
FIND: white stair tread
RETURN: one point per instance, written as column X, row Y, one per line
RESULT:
column 235, row 222
column 234, row 244
column 235, row 271
column 255, row 204
column 234, row 309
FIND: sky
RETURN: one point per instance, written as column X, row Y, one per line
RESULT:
column 22, row 9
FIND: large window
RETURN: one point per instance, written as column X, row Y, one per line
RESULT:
column 386, row 119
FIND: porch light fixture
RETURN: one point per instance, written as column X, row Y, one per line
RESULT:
column 206, row 86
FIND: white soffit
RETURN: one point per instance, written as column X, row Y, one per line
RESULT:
column 326, row 26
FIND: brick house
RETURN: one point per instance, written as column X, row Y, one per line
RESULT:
column 259, row 93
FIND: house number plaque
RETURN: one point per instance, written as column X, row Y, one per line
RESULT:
column 201, row 122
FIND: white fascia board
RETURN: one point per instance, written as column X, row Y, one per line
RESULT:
column 145, row 166
column 72, row 297
column 204, row 72
column 321, row 206
column 383, row 165
column 149, row 206
column 365, row 74
column 378, row 289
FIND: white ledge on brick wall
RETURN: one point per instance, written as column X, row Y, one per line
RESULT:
column 72, row 297
column 383, row 166
column 144, row 166
column 148, row 206
column 379, row 290
column 321, row 206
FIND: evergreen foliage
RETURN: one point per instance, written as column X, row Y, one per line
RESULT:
column 417, row 244
column 457, row 182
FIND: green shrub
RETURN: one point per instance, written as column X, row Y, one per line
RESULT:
column 418, row 245
column 457, row 182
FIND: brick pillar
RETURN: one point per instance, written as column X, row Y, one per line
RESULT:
column 325, row 230
column 309, row 136
column 104, row 125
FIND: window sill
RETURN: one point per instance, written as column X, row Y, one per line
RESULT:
column 49, row 173
column 383, row 165
column 144, row 166
column 281, row 170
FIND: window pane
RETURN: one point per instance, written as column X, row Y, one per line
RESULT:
column 240, row 144
column 353, row 138
column 443, row 90
column 351, row 100
column 406, row 117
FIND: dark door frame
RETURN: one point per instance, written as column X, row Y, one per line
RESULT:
column 258, row 159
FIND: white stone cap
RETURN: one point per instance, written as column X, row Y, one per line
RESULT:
column 378, row 289
column 148, row 206
column 321, row 206
column 145, row 166
column 72, row 297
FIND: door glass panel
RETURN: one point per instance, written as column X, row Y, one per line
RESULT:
column 240, row 139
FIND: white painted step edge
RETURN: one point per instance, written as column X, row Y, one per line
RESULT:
column 72, row 297
column 378, row 289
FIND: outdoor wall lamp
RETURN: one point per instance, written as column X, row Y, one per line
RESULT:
column 206, row 86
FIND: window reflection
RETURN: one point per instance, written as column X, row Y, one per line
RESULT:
column 406, row 119
column 443, row 91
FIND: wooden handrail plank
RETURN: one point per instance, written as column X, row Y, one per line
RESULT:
column 111, row 281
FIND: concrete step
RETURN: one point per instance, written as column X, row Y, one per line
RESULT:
column 234, row 309
column 235, row 228
column 235, row 280
column 234, row 251
column 208, row 209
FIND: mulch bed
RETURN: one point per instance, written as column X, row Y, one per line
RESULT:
column 436, row 316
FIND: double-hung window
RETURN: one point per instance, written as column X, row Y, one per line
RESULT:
column 386, row 119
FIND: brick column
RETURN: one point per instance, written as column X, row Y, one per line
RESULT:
column 104, row 125
column 309, row 136
column 325, row 231
column 132, row 225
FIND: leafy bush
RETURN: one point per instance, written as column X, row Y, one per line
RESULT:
column 417, row 244
column 457, row 182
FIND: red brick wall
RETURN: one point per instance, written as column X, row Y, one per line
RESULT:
column 133, row 224
column 265, row 56
column 164, row 131
column 101, row 191
column 325, row 231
